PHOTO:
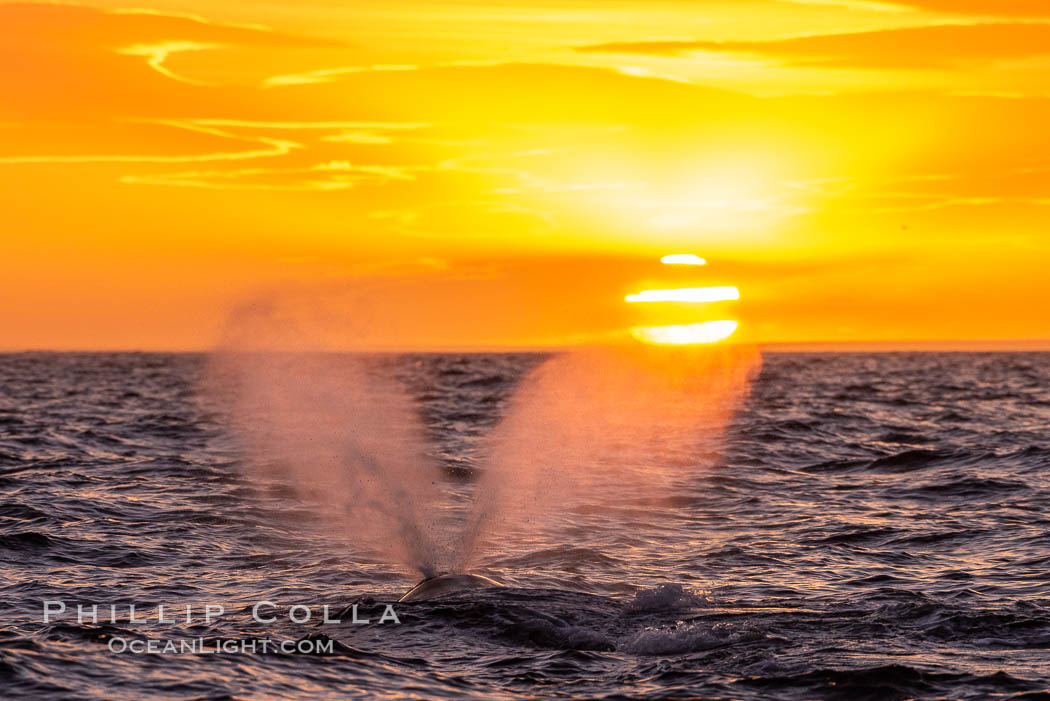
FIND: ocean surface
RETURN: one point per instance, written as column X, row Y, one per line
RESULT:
column 871, row 526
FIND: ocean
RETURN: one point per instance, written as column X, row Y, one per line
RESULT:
column 865, row 526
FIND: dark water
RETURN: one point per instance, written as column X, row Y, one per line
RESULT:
column 876, row 527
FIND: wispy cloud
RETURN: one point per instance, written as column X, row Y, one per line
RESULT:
column 935, row 46
column 158, row 54
column 993, row 8
column 329, row 75
column 322, row 177
column 271, row 147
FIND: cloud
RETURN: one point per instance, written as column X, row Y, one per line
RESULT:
column 169, row 141
column 61, row 60
column 1020, row 187
column 57, row 59
column 73, row 27
column 510, row 93
column 159, row 53
column 330, row 74
column 321, row 177
column 495, row 149
column 993, row 8
column 937, row 46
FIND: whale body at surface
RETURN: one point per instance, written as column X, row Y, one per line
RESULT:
column 446, row 584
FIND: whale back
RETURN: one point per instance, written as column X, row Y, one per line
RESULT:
column 446, row 584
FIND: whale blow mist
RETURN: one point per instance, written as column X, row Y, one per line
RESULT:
column 338, row 429
column 599, row 426
column 587, row 427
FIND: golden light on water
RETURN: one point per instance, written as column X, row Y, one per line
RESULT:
column 687, row 294
column 683, row 259
column 685, row 334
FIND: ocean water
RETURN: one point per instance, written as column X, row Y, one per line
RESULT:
column 871, row 526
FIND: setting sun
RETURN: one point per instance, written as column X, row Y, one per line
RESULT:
column 683, row 259
column 685, row 334
column 688, row 295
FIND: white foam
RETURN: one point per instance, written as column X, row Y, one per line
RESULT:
column 677, row 640
column 666, row 597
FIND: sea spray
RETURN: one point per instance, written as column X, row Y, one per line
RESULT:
column 591, row 425
column 339, row 429
column 602, row 423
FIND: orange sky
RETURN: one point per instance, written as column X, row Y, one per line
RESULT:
column 485, row 173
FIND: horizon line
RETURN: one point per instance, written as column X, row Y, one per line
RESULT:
column 870, row 346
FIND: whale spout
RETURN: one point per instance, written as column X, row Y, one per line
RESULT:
column 446, row 584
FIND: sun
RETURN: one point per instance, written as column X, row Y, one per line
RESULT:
column 690, row 301
column 686, row 334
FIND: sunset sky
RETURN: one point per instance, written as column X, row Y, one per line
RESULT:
column 861, row 171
